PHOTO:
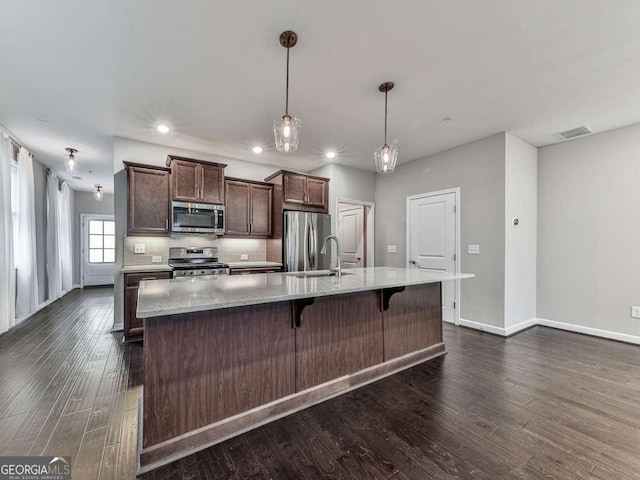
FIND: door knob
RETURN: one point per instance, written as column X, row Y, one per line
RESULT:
column 413, row 262
column 358, row 259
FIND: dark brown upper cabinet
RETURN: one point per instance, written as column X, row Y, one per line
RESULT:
column 196, row 181
column 249, row 208
column 302, row 192
column 149, row 202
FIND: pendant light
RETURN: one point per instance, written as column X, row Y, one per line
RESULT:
column 98, row 193
column 70, row 160
column 385, row 157
column 287, row 128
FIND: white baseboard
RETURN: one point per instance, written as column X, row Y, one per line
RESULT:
column 117, row 327
column 44, row 304
column 518, row 327
column 485, row 327
column 506, row 332
column 595, row 332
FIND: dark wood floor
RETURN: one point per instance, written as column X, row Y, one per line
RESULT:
column 542, row 404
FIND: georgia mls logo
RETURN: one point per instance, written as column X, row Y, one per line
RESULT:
column 35, row 468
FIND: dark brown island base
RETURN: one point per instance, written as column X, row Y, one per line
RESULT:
column 212, row 374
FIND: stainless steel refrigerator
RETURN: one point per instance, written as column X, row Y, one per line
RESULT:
column 303, row 236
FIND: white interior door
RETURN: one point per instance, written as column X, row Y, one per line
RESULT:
column 431, row 245
column 98, row 249
column 352, row 236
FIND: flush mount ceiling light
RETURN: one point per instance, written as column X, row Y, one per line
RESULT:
column 70, row 159
column 257, row 149
column 330, row 154
column 287, row 128
column 98, row 193
column 385, row 157
column 162, row 128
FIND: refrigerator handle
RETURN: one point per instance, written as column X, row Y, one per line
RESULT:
column 310, row 243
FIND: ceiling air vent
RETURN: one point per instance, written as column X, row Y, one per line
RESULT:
column 580, row 131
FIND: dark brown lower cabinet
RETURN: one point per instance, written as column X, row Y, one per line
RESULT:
column 338, row 335
column 413, row 320
column 134, row 326
column 248, row 361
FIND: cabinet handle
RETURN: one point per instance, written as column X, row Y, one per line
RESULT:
column 148, row 278
column 166, row 224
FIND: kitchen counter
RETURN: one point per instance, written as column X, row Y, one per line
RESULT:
column 146, row 268
column 225, row 354
column 158, row 298
column 247, row 264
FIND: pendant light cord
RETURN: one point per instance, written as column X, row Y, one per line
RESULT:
column 385, row 117
column 286, row 108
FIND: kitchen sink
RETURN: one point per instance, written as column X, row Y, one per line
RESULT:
column 315, row 274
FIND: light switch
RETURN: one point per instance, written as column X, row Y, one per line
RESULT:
column 473, row 249
column 138, row 248
column 635, row 312
column 244, row 256
column 392, row 249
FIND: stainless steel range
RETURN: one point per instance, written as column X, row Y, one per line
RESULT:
column 196, row 262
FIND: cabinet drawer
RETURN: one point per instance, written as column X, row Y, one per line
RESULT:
column 134, row 279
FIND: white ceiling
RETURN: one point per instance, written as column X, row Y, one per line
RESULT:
column 214, row 71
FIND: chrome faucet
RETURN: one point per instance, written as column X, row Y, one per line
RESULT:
column 333, row 270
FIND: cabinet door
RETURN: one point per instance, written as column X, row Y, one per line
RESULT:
column 316, row 192
column 186, row 181
column 212, row 180
column 149, row 205
column 237, row 208
column 261, row 210
column 133, row 326
column 295, row 188
column 338, row 335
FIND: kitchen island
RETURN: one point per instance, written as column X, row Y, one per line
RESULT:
column 225, row 354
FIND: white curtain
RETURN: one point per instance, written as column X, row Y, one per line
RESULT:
column 7, row 279
column 54, row 271
column 27, row 279
column 64, row 238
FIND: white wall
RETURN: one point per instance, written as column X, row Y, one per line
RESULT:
column 478, row 168
column 589, row 231
column 521, row 193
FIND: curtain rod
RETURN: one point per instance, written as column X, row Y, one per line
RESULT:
column 14, row 140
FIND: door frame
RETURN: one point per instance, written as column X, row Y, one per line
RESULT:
column 456, row 191
column 369, row 219
column 83, row 238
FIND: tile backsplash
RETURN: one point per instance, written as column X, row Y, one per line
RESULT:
column 229, row 249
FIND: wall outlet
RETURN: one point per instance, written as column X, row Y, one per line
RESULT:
column 392, row 249
column 138, row 248
column 473, row 249
column 156, row 259
column 244, row 256
column 635, row 312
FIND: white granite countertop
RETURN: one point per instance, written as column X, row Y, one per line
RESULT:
column 184, row 295
column 247, row 264
column 157, row 267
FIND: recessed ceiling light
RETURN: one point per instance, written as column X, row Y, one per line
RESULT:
column 447, row 119
column 330, row 154
column 257, row 149
column 162, row 128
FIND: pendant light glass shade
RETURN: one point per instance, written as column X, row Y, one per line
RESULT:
column 385, row 158
column 70, row 160
column 98, row 193
column 286, row 131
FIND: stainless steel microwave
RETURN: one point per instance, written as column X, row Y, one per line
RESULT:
column 197, row 218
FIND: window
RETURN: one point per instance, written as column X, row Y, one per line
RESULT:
column 14, row 207
column 102, row 241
